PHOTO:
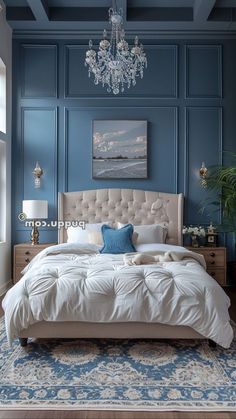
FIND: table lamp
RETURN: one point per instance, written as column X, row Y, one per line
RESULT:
column 35, row 209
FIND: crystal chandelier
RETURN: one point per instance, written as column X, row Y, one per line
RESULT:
column 114, row 65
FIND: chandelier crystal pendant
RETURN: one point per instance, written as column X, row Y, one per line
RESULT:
column 115, row 65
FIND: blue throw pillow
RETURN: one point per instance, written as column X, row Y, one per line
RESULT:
column 117, row 241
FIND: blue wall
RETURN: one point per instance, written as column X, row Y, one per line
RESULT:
column 188, row 97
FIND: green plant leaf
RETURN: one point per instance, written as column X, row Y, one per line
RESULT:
column 221, row 184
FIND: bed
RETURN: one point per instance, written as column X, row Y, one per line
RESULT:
column 138, row 207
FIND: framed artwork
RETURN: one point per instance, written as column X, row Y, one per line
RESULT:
column 119, row 149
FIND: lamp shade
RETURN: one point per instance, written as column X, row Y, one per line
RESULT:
column 35, row 209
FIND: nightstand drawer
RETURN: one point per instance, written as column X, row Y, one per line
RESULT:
column 17, row 272
column 214, row 257
column 23, row 254
column 218, row 275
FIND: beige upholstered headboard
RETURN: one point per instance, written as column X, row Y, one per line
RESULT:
column 124, row 205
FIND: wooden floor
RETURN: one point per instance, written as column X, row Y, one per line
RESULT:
column 37, row 414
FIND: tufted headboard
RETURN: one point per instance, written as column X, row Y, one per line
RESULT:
column 124, row 205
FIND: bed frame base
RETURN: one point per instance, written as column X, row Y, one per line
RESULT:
column 24, row 342
column 85, row 330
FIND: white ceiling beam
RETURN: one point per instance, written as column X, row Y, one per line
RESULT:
column 202, row 10
column 39, row 9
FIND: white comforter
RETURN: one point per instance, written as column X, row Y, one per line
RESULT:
column 73, row 282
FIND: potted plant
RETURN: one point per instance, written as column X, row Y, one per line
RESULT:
column 221, row 181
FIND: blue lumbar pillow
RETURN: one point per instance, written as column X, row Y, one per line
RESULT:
column 117, row 241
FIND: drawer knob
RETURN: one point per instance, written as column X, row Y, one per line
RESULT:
column 213, row 273
column 27, row 260
column 212, row 254
column 27, row 252
column 212, row 262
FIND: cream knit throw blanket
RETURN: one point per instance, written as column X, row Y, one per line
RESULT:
column 170, row 256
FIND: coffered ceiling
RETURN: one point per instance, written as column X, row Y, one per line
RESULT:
column 150, row 18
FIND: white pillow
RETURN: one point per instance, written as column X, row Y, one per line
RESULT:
column 95, row 237
column 153, row 233
column 80, row 235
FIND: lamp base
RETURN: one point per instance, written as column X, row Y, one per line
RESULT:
column 34, row 235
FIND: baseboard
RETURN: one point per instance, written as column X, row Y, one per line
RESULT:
column 5, row 287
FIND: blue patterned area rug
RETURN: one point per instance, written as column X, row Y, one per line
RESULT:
column 117, row 374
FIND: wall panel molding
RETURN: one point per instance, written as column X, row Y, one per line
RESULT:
column 45, row 71
column 171, row 64
column 36, row 194
column 203, row 68
column 217, row 152
column 180, row 95
column 65, row 149
column 104, row 109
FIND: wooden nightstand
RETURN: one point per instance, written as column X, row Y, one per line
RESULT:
column 215, row 258
column 23, row 254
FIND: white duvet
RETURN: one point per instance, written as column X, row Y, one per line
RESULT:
column 74, row 282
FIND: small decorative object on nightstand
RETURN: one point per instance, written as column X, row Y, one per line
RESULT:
column 196, row 233
column 211, row 236
column 215, row 258
column 23, row 254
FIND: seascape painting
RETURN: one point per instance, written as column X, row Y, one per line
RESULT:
column 119, row 149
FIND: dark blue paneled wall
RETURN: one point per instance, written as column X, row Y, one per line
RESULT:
column 188, row 97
